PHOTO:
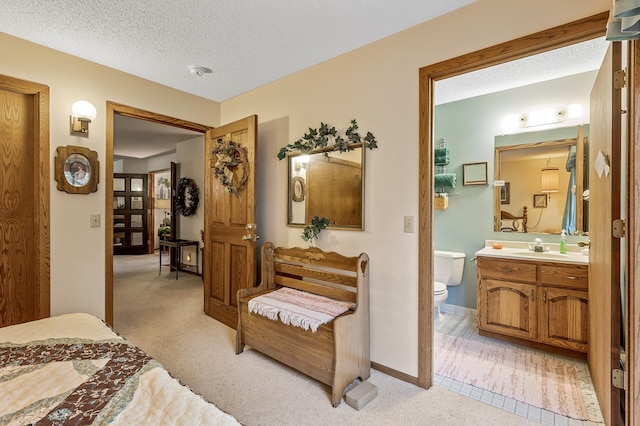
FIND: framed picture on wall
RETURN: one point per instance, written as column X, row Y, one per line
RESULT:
column 540, row 200
column 76, row 169
column 504, row 193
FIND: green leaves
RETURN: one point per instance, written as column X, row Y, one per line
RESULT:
column 311, row 232
column 323, row 136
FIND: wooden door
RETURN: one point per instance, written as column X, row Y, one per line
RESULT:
column 604, row 259
column 130, row 213
column 24, row 201
column 508, row 308
column 564, row 318
column 229, row 224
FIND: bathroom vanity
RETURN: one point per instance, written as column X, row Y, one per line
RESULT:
column 541, row 298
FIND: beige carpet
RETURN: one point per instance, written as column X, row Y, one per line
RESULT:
column 513, row 372
column 164, row 317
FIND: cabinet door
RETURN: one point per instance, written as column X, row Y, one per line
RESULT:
column 564, row 318
column 507, row 307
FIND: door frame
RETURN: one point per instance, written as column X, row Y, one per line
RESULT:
column 564, row 35
column 41, row 172
column 114, row 108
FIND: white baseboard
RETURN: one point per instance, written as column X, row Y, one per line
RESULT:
column 459, row 310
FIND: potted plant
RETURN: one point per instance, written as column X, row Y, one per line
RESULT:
column 310, row 232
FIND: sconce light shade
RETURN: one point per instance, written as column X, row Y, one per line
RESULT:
column 82, row 112
column 549, row 179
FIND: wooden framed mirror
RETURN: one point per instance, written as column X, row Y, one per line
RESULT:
column 327, row 183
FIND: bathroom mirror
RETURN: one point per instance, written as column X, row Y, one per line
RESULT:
column 520, row 160
column 327, row 183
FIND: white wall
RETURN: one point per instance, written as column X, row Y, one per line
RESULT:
column 378, row 86
column 190, row 156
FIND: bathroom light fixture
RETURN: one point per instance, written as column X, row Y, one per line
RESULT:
column 199, row 70
column 82, row 112
column 542, row 117
column 549, row 178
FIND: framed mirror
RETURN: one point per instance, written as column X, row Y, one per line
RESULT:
column 474, row 173
column 544, row 205
column 327, row 183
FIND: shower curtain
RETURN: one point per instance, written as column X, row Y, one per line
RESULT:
column 569, row 217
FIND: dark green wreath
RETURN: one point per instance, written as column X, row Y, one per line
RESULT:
column 182, row 207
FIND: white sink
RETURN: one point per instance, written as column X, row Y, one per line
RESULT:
column 519, row 250
column 541, row 255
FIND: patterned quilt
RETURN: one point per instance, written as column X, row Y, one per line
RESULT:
column 73, row 369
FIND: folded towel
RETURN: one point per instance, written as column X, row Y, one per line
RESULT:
column 441, row 160
column 445, row 180
column 441, row 151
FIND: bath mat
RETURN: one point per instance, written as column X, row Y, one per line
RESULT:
column 542, row 382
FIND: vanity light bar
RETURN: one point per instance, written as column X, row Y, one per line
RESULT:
column 543, row 116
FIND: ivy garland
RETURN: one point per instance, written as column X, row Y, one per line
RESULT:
column 324, row 135
column 229, row 156
column 187, row 206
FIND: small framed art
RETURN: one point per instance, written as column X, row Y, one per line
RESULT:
column 76, row 169
column 540, row 200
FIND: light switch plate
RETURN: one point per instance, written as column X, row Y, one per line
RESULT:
column 409, row 224
column 94, row 220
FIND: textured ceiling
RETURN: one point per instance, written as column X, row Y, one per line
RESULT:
column 246, row 43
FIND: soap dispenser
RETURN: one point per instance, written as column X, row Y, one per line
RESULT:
column 563, row 242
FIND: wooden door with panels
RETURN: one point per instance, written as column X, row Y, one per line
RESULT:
column 605, row 251
column 24, row 201
column 230, row 217
column 130, row 213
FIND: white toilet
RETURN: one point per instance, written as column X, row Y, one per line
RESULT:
column 447, row 271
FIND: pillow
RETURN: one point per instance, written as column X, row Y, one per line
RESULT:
column 511, row 225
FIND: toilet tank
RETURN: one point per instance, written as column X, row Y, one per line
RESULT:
column 448, row 267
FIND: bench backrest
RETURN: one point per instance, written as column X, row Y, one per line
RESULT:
column 315, row 271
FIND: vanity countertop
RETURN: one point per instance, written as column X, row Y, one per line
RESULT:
column 521, row 250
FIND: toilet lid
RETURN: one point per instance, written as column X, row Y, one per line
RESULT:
column 439, row 288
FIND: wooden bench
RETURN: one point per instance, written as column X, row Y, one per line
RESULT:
column 338, row 353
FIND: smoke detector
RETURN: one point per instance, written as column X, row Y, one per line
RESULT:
column 199, row 70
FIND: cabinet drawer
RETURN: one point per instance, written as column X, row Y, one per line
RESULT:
column 565, row 276
column 505, row 269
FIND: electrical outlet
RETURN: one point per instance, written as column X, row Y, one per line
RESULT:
column 409, row 224
column 94, row 220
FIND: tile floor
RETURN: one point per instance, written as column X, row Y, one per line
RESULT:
column 466, row 327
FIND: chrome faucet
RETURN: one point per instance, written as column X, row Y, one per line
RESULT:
column 584, row 243
column 538, row 247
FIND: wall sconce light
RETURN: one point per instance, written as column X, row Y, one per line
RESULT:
column 82, row 112
column 549, row 178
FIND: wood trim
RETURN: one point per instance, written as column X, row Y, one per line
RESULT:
column 632, row 338
column 112, row 109
column 395, row 373
column 564, row 35
column 41, row 163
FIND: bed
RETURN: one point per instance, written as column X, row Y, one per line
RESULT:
column 73, row 369
column 513, row 223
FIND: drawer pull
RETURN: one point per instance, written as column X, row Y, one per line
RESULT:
column 532, row 294
column 544, row 296
column 507, row 270
column 572, row 277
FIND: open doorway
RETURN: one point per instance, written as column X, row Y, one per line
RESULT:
column 114, row 112
column 579, row 31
